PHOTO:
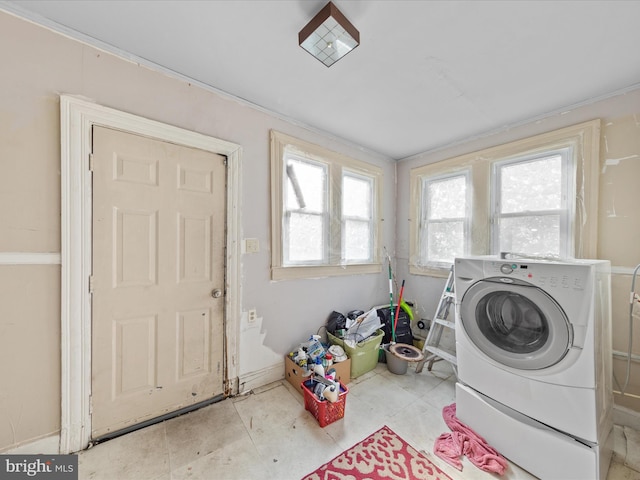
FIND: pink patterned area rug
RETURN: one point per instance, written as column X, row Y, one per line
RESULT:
column 383, row 455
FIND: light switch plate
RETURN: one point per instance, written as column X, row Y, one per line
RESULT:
column 251, row 245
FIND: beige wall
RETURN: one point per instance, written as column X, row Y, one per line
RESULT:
column 36, row 66
column 30, row 222
column 29, row 352
column 619, row 235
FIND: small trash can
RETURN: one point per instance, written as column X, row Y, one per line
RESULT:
column 399, row 355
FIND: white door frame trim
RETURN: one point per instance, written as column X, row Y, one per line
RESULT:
column 77, row 117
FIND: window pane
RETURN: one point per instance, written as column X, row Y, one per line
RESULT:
column 311, row 180
column 538, row 235
column 357, row 242
column 306, row 238
column 445, row 241
column 447, row 198
column 356, row 197
column 531, row 186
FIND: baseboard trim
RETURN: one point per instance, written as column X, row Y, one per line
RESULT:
column 45, row 445
column 260, row 378
column 626, row 417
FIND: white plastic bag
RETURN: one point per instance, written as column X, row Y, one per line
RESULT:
column 362, row 327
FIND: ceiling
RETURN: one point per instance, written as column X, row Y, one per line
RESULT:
column 426, row 74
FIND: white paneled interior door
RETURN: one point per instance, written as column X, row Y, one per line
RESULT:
column 158, row 278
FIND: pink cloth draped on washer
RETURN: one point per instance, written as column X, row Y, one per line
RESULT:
column 464, row 441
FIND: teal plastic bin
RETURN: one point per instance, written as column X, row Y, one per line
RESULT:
column 364, row 356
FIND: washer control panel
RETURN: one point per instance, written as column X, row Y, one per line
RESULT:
column 544, row 275
column 520, row 270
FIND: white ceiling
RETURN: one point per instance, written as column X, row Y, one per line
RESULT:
column 426, row 74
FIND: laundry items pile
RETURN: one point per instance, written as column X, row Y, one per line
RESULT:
column 320, row 372
column 350, row 349
column 357, row 326
column 360, row 335
column 320, row 369
column 352, row 346
column 313, row 357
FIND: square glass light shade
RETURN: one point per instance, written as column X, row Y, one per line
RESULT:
column 329, row 36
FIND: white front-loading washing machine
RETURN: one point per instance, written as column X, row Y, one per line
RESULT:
column 533, row 341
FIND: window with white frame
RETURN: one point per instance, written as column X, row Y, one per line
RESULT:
column 445, row 219
column 536, row 196
column 532, row 206
column 325, row 211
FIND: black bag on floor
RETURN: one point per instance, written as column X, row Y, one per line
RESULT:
column 403, row 326
column 336, row 321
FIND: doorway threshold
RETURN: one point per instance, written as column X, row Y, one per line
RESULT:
column 153, row 421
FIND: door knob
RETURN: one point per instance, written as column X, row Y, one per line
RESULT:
column 216, row 293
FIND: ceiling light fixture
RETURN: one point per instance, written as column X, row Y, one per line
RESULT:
column 329, row 36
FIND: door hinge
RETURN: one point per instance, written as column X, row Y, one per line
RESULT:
column 90, row 404
column 90, row 283
column 91, row 162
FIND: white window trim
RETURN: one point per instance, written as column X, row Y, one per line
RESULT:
column 583, row 139
column 279, row 142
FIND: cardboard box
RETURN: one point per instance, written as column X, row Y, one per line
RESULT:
column 293, row 373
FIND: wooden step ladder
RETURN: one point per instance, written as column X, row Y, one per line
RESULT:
column 432, row 349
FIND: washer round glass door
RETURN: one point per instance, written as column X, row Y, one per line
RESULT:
column 515, row 323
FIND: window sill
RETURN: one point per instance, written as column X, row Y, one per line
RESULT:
column 293, row 273
column 433, row 271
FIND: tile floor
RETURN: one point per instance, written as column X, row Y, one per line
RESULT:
column 268, row 434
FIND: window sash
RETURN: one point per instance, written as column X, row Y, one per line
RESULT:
column 348, row 225
column 567, row 184
column 290, row 249
column 427, row 231
column 366, row 220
